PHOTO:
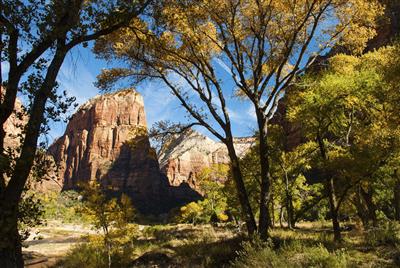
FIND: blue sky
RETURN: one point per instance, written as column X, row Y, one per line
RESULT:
column 78, row 74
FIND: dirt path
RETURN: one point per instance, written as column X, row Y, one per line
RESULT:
column 49, row 243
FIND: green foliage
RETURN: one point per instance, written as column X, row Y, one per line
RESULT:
column 65, row 206
column 287, row 170
column 352, row 109
column 191, row 213
column 30, row 213
column 111, row 217
column 388, row 233
column 93, row 254
column 85, row 255
column 213, row 207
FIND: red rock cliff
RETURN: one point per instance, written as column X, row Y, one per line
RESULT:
column 106, row 141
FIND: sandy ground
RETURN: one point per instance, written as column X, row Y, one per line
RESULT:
column 48, row 243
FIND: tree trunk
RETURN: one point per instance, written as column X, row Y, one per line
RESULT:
column 371, row 207
column 241, row 189
column 12, row 193
column 265, row 191
column 272, row 211
column 330, row 189
column 396, row 197
column 333, row 209
column 361, row 209
column 6, row 108
column 291, row 223
column 10, row 244
column 289, row 203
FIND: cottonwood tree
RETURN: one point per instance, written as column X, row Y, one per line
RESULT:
column 35, row 38
column 263, row 45
column 187, row 71
column 110, row 216
column 350, row 111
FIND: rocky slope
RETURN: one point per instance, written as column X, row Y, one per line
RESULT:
column 191, row 152
column 106, row 141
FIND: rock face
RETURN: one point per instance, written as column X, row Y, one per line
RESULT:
column 13, row 126
column 98, row 136
column 106, row 141
column 191, row 152
column 14, row 137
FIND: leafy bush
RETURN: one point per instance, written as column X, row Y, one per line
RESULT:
column 64, row 206
column 93, row 254
column 88, row 255
column 386, row 234
column 258, row 254
column 261, row 254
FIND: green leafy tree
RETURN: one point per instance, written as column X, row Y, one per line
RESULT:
column 191, row 213
column 213, row 206
column 107, row 215
column 349, row 111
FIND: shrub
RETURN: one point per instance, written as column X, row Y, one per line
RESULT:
column 261, row 254
column 386, row 234
column 93, row 254
column 63, row 206
column 258, row 254
column 89, row 255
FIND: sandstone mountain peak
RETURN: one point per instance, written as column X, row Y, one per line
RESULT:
column 106, row 141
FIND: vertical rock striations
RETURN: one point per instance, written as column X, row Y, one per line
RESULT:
column 187, row 155
column 97, row 139
column 106, row 141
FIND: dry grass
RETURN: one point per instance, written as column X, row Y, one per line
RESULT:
column 185, row 245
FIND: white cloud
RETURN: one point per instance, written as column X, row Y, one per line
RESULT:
column 159, row 103
column 223, row 65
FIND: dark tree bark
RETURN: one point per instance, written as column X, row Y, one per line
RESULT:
column 10, row 194
column 396, row 196
column 361, row 209
column 370, row 205
column 330, row 190
column 288, row 202
column 333, row 208
column 13, row 192
column 265, row 193
column 241, row 189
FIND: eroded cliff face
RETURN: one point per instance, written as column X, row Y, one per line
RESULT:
column 186, row 156
column 106, row 141
column 98, row 137
column 14, row 125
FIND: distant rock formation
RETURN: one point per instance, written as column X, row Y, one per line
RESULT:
column 97, row 141
column 14, row 125
column 191, row 152
column 106, row 141
column 13, row 128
